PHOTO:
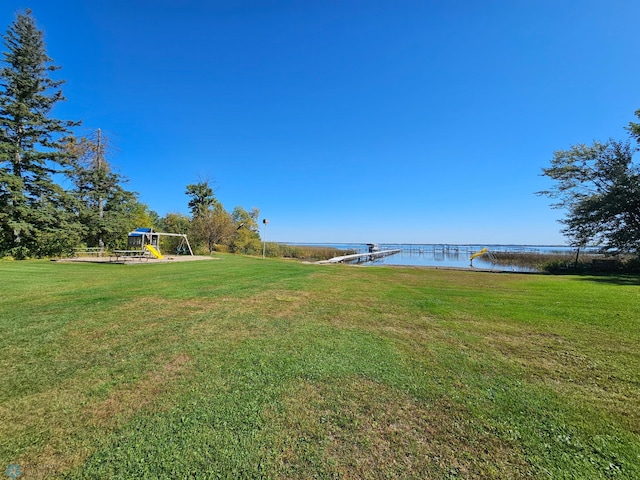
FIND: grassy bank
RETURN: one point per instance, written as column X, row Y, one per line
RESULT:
column 251, row 368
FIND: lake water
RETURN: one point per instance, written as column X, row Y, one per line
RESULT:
column 442, row 255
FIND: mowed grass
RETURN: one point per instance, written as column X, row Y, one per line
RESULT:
column 249, row 368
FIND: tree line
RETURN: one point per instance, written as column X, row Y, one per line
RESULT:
column 58, row 190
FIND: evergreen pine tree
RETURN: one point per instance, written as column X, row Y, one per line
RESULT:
column 35, row 213
column 101, row 200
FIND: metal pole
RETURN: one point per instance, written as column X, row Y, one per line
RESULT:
column 100, row 199
column 264, row 237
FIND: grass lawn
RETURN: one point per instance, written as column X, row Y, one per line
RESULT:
column 250, row 368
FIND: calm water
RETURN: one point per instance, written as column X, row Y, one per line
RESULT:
column 439, row 255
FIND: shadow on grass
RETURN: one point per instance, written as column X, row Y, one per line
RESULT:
column 616, row 279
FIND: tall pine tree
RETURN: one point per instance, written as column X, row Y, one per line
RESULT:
column 35, row 212
column 103, row 205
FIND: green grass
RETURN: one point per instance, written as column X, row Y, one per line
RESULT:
column 250, row 368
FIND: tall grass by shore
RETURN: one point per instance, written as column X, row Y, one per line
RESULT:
column 304, row 252
column 554, row 262
column 538, row 261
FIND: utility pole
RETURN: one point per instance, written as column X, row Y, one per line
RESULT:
column 99, row 149
column 264, row 237
column 100, row 199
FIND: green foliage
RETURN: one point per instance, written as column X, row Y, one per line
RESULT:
column 599, row 185
column 634, row 128
column 202, row 198
column 564, row 266
column 246, row 242
column 211, row 224
column 33, row 209
column 246, row 219
column 173, row 223
column 101, row 199
column 37, row 216
column 211, row 227
column 593, row 266
column 247, row 236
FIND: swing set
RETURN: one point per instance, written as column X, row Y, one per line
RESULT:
column 143, row 240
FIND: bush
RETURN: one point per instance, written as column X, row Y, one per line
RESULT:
column 594, row 266
column 246, row 242
column 564, row 265
column 632, row 265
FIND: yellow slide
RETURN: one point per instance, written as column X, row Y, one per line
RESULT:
column 153, row 251
column 479, row 254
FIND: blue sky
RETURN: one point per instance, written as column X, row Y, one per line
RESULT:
column 349, row 121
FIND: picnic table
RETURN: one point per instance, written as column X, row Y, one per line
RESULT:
column 97, row 251
column 130, row 254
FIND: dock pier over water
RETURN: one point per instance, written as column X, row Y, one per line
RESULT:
column 361, row 257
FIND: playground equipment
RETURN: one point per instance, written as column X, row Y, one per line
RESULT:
column 146, row 239
column 481, row 253
column 153, row 251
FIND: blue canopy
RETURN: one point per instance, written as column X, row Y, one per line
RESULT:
column 138, row 232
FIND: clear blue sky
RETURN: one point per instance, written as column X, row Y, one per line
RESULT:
column 349, row 121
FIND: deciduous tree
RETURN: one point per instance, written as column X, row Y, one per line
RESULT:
column 213, row 227
column 599, row 185
column 247, row 236
column 173, row 223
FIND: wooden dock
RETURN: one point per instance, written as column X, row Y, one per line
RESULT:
column 361, row 257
